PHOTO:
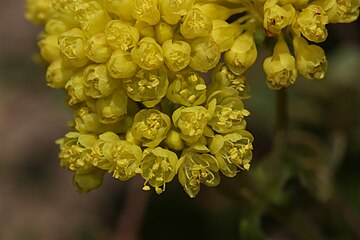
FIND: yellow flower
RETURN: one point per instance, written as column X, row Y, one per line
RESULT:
column 280, row 68
column 311, row 23
column 75, row 149
column 158, row 167
column 242, row 54
column 55, row 27
column 121, row 35
column 176, row 54
column 148, row 54
column 224, row 34
column 229, row 113
column 340, row 11
column 148, row 87
column 38, row 11
column 192, row 122
column 112, row 108
column 150, row 127
column 97, row 49
column 277, row 17
column 97, row 83
column 146, row 11
column 232, row 151
column 194, row 169
column 173, row 10
column 195, row 24
column 121, row 8
column 205, row 54
column 188, row 89
column 310, row 59
column 75, row 89
column 72, row 47
column 91, row 16
column 222, row 77
column 116, row 156
column 120, row 65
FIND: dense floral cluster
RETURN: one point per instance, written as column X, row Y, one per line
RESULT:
column 157, row 86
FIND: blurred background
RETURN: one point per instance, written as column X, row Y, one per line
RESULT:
column 309, row 189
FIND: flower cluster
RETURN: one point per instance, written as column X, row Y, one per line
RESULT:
column 157, row 86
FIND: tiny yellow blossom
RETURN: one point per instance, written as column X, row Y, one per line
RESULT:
column 194, row 169
column 280, row 68
column 150, row 127
column 311, row 23
column 121, row 35
column 340, row 11
column 158, row 167
column 57, row 74
column 195, row 24
column 148, row 54
column 146, row 11
column 120, row 64
column 277, row 17
column 97, row 49
column 121, row 8
column 55, row 27
column 72, row 47
column 310, row 59
column 224, row 34
column 75, row 89
column 188, row 89
column 163, row 32
column 148, row 87
column 49, row 48
column 205, row 54
column 232, row 151
column 173, row 10
column 242, row 54
column 176, row 54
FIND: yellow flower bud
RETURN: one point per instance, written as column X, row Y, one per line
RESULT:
column 158, row 166
column 86, row 120
column 146, row 11
column 163, row 32
column 38, row 11
column 88, row 179
column 188, row 89
column 215, row 11
column 121, row 35
column 91, row 16
column 195, row 24
column 311, row 22
column 148, row 87
column 280, row 68
column 75, row 89
column 145, row 30
column 192, row 122
column 176, row 54
column 112, row 108
column 49, row 48
column 205, row 54
column 242, row 54
column 55, row 27
column 297, row 4
column 148, row 54
column 194, row 169
column 57, row 74
column 150, row 127
column 173, row 10
column 173, row 140
column 97, row 83
column 233, row 151
column 72, row 47
column 116, row 156
column 310, row 59
column 224, row 34
column 97, row 48
column 222, row 77
column 277, row 17
column 121, row 8
column 121, row 65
